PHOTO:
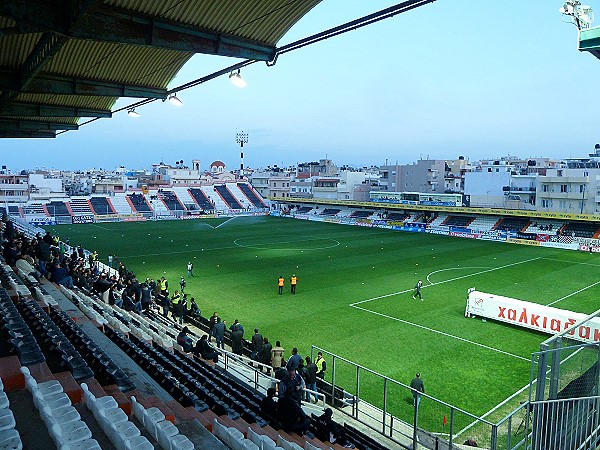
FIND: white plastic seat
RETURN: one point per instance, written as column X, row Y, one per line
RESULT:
column 70, row 433
column 121, row 432
column 111, row 416
column 4, row 403
column 255, row 437
column 53, row 401
column 234, row 438
column 247, row 444
column 165, row 431
column 45, row 388
column 309, row 446
column 139, row 443
column 220, row 430
column 88, row 444
column 1, row 385
column 181, row 442
column 138, row 410
column 66, row 414
column 152, row 417
column 7, row 420
column 286, row 445
column 10, row 439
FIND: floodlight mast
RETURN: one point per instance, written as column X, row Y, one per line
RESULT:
column 241, row 138
column 582, row 16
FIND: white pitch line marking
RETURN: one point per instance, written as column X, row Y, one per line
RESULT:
column 442, row 333
column 452, row 268
column 231, row 218
column 573, row 293
column 446, row 281
column 571, row 262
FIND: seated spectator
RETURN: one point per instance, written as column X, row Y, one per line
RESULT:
column 327, row 430
column 268, row 406
column 184, row 340
column 205, row 350
column 291, row 416
column 61, row 276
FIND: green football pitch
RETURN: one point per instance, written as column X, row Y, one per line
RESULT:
column 354, row 297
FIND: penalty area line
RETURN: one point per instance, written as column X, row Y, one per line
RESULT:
column 446, row 281
column 573, row 293
column 487, row 347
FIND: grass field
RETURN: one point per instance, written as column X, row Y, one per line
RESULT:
column 355, row 296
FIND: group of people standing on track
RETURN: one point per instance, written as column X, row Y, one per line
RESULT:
column 281, row 283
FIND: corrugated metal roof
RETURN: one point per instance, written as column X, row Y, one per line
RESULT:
column 111, row 63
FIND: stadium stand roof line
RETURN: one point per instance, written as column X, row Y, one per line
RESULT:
column 61, row 60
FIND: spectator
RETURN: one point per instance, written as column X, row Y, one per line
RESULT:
column 294, row 361
column 195, row 312
column 182, row 284
column 265, row 352
column 268, row 406
column 327, row 430
column 205, row 350
column 277, row 358
column 214, row 319
column 219, row 329
column 294, row 381
column 239, row 325
column 184, row 340
column 60, row 275
column 256, row 344
column 291, row 416
column 311, row 378
column 237, row 340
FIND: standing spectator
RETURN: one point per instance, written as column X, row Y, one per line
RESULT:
column 182, row 284
column 164, row 286
column 311, row 378
column 293, row 283
column 146, row 298
column 418, row 287
column 418, row 388
column 190, row 269
column 265, row 352
column 165, row 302
column 179, row 309
column 9, row 228
column 256, row 344
column 213, row 321
column 237, row 340
column 280, row 283
column 294, row 361
column 292, row 381
column 277, row 358
column 219, row 333
column 321, row 365
column 195, row 312
column 110, row 260
column 238, row 324
column 268, row 406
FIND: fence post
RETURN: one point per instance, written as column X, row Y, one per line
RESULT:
column 355, row 403
column 555, row 369
column 494, row 442
column 451, row 430
column 415, row 422
column 385, row 406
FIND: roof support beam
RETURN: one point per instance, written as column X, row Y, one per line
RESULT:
column 27, row 134
column 42, row 110
column 128, row 27
column 34, row 125
column 63, row 85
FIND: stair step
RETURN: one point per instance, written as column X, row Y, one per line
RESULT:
column 10, row 373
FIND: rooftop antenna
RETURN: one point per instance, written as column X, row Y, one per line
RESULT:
column 582, row 16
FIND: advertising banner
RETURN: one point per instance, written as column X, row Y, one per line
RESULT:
column 532, row 315
column 83, row 219
column 41, row 221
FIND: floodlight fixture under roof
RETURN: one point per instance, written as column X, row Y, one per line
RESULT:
column 174, row 100
column 131, row 112
column 236, row 78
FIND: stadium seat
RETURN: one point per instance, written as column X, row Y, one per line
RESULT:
column 66, row 414
column 121, row 432
column 10, row 439
column 4, row 403
column 281, row 442
column 7, row 420
column 181, row 442
column 139, row 443
column 152, row 417
column 249, row 445
column 70, row 433
column 111, row 416
column 165, row 431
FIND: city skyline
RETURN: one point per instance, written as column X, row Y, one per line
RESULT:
column 446, row 79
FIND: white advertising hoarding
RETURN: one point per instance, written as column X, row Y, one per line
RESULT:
column 532, row 315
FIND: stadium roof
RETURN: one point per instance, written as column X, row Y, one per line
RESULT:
column 61, row 60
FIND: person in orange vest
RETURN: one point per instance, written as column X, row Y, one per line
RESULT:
column 293, row 282
column 280, row 283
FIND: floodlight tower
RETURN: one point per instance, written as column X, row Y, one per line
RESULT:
column 241, row 138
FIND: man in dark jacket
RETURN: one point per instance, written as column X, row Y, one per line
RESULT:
column 219, row 330
column 237, row 340
column 256, row 344
column 311, row 378
column 290, row 414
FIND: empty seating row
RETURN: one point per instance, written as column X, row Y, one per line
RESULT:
column 330, row 211
column 251, row 195
column 80, row 206
column 458, row 221
column 101, row 205
column 58, row 349
column 163, row 431
column 157, row 370
column 115, row 423
column 304, row 210
column 139, row 202
column 171, row 200
column 361, row 214
column 513, row 224
column 201, row 199
column 106, row 370
column 57, row 209
column 61, row 418
column 16, row 331
column 9, row 436
column 228, row 197
column 580, row 229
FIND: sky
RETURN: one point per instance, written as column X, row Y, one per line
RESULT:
column 480, row 79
